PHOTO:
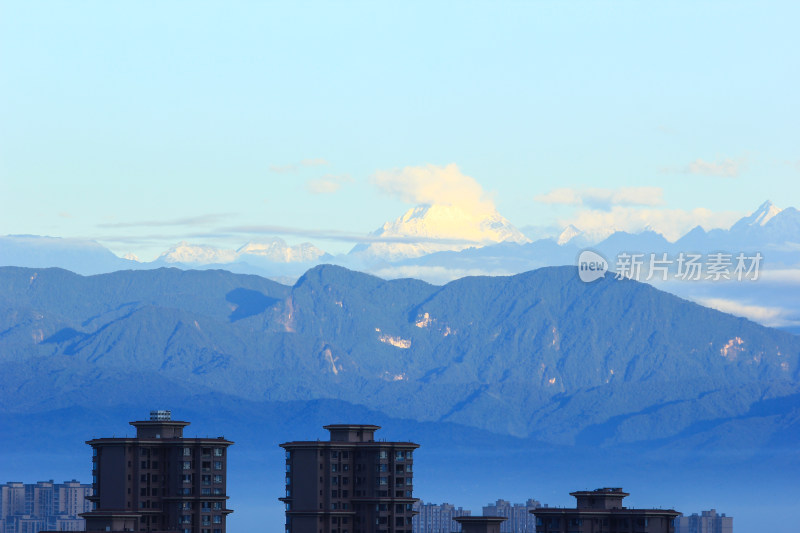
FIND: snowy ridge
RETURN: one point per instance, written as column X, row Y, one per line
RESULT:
column 275, row 250
column 434, row 228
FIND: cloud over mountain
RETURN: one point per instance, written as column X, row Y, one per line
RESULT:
column 435, row 185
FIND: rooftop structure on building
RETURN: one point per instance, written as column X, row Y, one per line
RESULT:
column 480, row 524
column 601, row 510
column 159, row 480
column 350, row 483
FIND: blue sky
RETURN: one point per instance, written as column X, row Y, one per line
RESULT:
column 144, row 123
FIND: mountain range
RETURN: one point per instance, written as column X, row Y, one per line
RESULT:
column 538, row 381
column 538, row 355
column 442, row 243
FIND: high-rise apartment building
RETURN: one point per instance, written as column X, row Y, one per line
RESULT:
column 159, row 480
column 601, row 511
column 437, row 518
column 30, row 508
column 705, row 522
column 518, row 515
column 349, row 484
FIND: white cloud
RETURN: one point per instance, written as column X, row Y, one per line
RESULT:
column 768, row 316
column 672, row 223
column 283, row 169
column 327, row 184
column 725, row 168
column 314, row 162
column 604, row 198
column 435, row 185
column 436, row 275
column 291, row 168
column 728, row 168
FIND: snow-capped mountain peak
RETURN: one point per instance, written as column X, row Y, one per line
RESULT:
column 569, row 233
column 278, row 251
column 759, row 217
column 183, row 252
column 433, row 228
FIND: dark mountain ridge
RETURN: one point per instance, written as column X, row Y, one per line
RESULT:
column 538, row 355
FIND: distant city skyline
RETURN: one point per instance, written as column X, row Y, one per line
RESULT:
column 144, row 126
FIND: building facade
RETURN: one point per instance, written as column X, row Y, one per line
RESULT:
column 30, row 508
column 159, row 480
column 705, row 522
column 518, row 515
column 601, row 511
column 437, row 518
column 349, row 484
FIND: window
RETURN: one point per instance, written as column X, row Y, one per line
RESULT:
column 206, row 520
column 218, row 452
column 382, row 467
column 333, row 468
column 399, row 456
column 187, row 465
column 217, row 506
column 383, row 454
column 205, row 506
column 206, row 480
column 205, row 492
column 288, row 454
column 217, row 465
column 187, row 452
column 186, row 519
column 218, row 478
column 185, row 506
column 408, row 454
column 399, row 481
column 383, row 480
column 409, row 467
column 187, row 478
column 154, row 478
column 155, row 492
column 218, row 491
column 217, row 519
column 334, row 455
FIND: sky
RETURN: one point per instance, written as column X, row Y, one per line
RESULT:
column 141, row 124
